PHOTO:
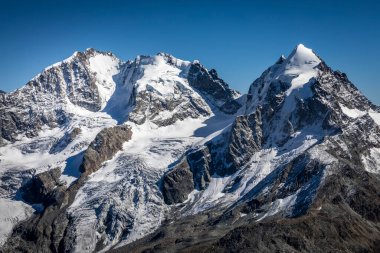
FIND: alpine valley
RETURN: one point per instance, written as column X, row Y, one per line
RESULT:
column 159, row 154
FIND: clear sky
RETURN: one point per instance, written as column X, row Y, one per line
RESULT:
column 240, row 39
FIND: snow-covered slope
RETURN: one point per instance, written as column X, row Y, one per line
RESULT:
column 93, row 91
column 291, row 111
column 191, row 146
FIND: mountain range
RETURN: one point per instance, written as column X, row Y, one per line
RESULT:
column 159, row 154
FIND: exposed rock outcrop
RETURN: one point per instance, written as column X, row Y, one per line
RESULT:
column 221, row 157
column 213, row 88
column 106, row 144
column 43, row 187
column 178, row 183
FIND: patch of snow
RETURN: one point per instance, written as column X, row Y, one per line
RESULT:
column 301, row 65
column 371, row 161
column 356, row 113
column 161, row 77
column 212, row 194
column 284, row 206
column 106, row 68
column 352, row 113
column 243, row 214
column 12, row 212
column 375, row 116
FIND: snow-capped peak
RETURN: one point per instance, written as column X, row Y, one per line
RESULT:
column 160, row 73
column 85, row 78
column 300, row 66
column 162, row 58
column 288, row 75
column 77, row 56
column 302, row 55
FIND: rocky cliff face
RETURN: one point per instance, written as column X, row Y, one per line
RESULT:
column 212, row 87
column 159, row 154
column 80, row 80
column 107, row 142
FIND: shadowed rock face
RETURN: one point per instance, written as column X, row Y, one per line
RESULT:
column 40, row 188
column 221, row 157
column 178, row 183
column 245, row 139
column 45, row 231
column 213, row 87
column 148, row 106
column 201, row 167
column 104, row 147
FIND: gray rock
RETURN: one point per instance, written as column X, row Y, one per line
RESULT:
column 42, row 188
column 45, row 231
column 178, row 183
column 104, row 147
column 245, row 139
column 201, row 167
column 218, row 157
column 213, row 88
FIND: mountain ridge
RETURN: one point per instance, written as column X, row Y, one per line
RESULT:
column 163, row 143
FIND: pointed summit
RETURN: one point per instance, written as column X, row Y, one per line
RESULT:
column 300, row 67
column 287, row 75
column 302, row 55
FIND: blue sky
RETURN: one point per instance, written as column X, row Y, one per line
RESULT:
column 240, row 39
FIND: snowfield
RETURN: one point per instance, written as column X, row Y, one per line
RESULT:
column 126, row 184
